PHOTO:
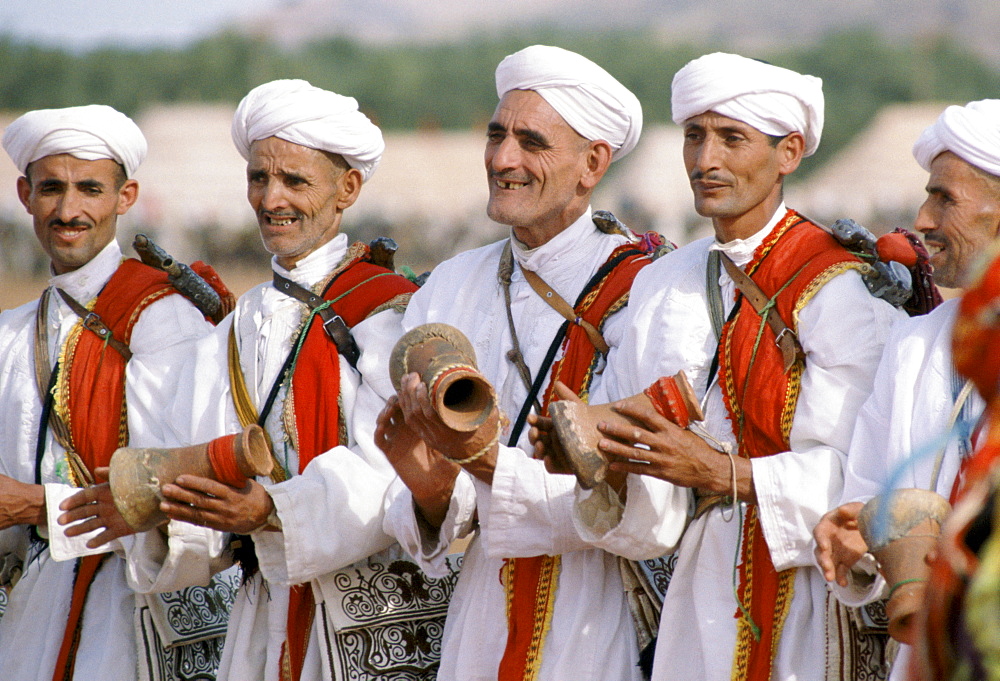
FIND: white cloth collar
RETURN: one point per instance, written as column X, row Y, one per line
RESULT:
column 741, row 251
column 85, row 283
column 568, row 248
column 311, row 269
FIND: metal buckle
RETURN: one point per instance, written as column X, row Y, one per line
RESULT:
column 777, row 341
column 93, row 322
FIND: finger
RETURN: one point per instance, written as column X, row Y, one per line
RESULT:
column 77, row 514
column 205, row 486
column 643, row 412
column 84, row 496
column 565, row 393
column 634, row 467
column 613, row 448
column 102, row 473
column 109, row 535
column 842, row 571
column 84, row 527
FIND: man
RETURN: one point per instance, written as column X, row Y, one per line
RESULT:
column 313, row 384
column 779, row 396
column 75, row 389
column 915, row 429
column 560, row 122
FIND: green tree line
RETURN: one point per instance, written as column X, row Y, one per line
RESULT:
column 410, row 86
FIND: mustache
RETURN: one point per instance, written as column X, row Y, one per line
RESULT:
column 507, row 176
column 75, row 222
column 293, row 214
column 696, row 175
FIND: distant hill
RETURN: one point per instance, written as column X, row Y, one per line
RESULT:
column 746, row 25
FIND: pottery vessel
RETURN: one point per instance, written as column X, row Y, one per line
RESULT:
column 575, row 423
column 446, row 362
column 137, row 475
column 901, row 527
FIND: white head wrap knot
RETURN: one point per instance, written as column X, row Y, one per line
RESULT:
column 774, row 100
column 90, row 133
column 588, row 98
column 297, row 112
column 971, row 132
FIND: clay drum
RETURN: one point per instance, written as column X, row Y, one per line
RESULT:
column 575, row 424
column 446, row 362
column 901, row 527
column 136, row 475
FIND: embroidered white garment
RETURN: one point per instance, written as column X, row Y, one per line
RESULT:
column 331, row 514
column 32, row 628
column 526, row 512
column 905, row 425
column 842, row 330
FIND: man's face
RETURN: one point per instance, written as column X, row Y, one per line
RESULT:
column 75, row 206
column 299, row 194
column 534, row 164
column 733, row 167
column 959, row 218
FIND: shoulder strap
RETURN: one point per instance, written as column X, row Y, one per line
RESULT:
column 785, row 338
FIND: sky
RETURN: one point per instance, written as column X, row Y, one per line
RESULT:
column 81, row 25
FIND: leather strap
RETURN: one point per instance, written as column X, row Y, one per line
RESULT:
column 96, row 325
column 333, row 324
column 559, row 304
column 785, row 338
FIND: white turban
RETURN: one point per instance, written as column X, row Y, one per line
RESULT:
column 297, row 112
column 971, row 132
column 588, row 98
column 87, row 132
column 774, row 100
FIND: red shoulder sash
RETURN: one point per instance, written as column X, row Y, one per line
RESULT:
column 792, row 263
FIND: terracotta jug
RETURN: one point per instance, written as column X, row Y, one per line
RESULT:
column 901, row 527
column 136, row 475
column 575, row 424
column 446, row 362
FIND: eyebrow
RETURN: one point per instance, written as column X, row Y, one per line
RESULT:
column 532, row 135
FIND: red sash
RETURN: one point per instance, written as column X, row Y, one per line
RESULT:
column 90, row 399
column 358, row 291
column 792, row 263
column 531, row 583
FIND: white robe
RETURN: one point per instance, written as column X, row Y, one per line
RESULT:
column 902, row 428
column 842, row 330
column 526, row 512
column 331, row 514
column 31, row 630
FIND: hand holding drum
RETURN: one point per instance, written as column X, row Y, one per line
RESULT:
column 575, row 423
column 900, row 528
column 461, row 397
column 137, row 475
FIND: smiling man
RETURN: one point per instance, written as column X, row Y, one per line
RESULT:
column 915, row 431
column 306, row 357
column 72, row 390
column 533, row 601
column 780, row 394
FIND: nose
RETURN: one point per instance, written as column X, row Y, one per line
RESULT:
column 706, row 155
column 70, row 206
column 273, row 197
column 503, row 156
column 925, row 218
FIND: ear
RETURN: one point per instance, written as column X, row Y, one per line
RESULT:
column 24, row 193
column 790, row 152
column 127, row 195
column 597, row 158
column 350, row 187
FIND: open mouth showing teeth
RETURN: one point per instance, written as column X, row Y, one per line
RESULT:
column 280, row 222
column 503, row 184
